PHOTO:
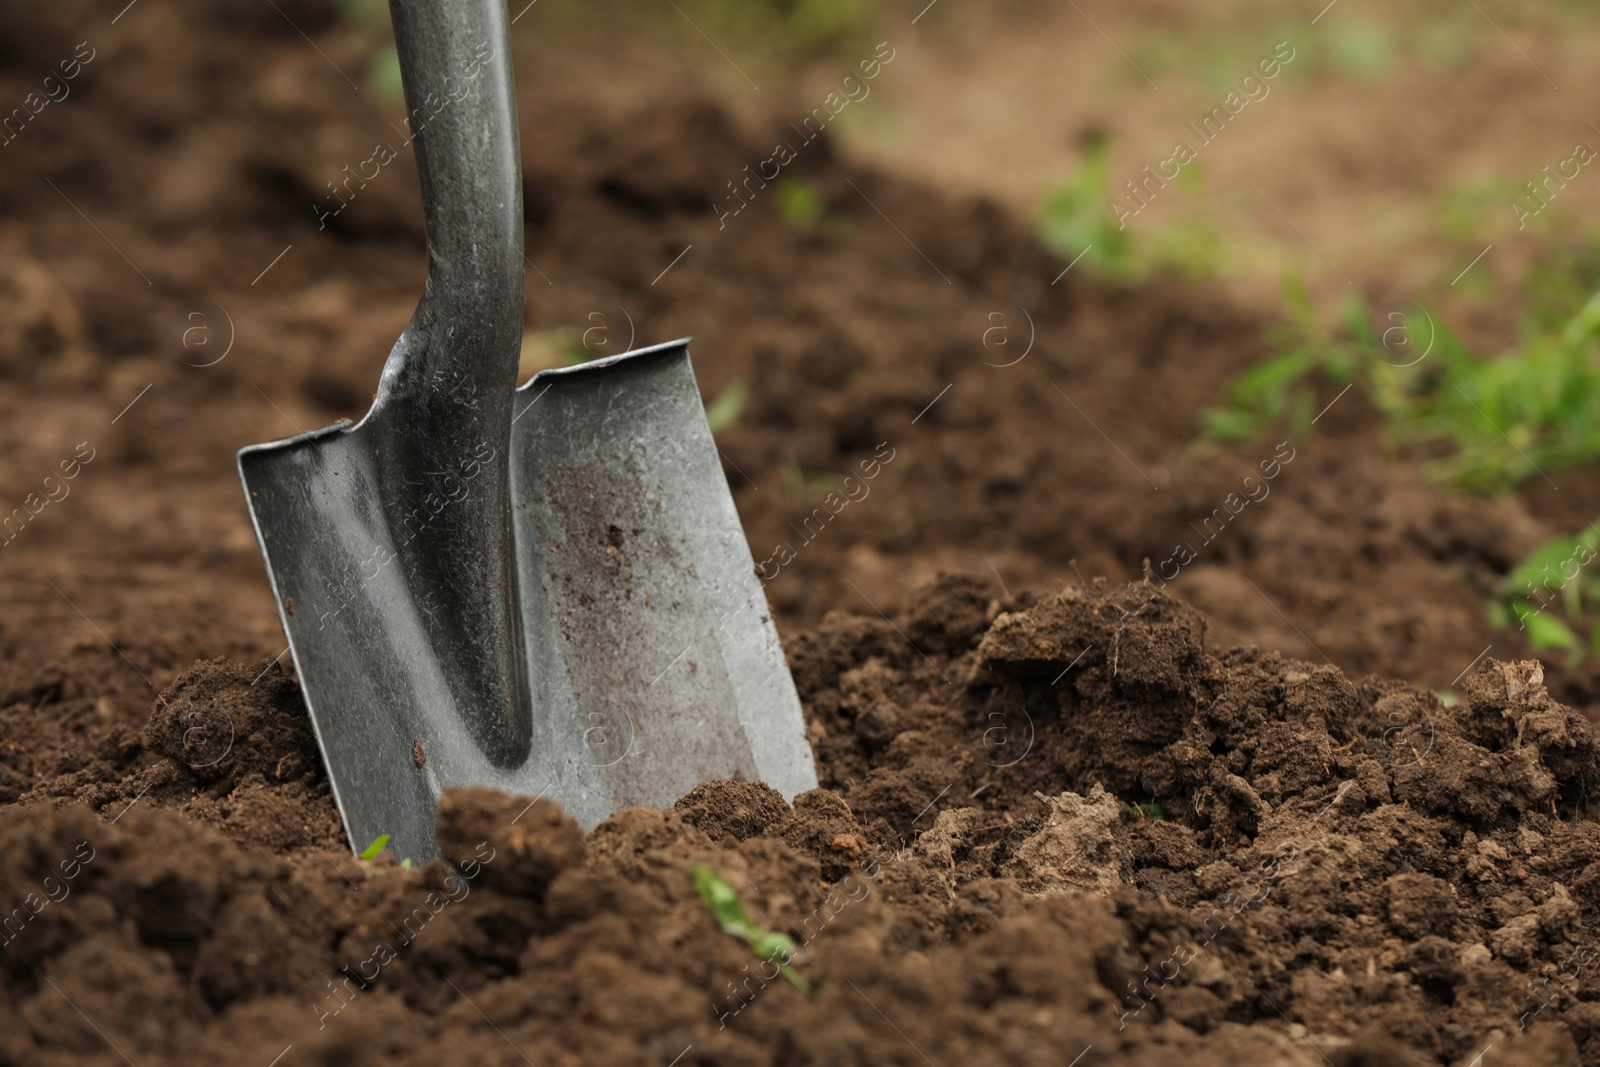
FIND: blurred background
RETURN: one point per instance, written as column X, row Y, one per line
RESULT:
column 1084, row 266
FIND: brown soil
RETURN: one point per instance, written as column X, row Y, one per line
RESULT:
column 1335, row 871
column 1341, row 871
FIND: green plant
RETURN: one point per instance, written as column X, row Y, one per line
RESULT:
column 374, row 850
column 1531, row 410
column 731, row 916
column 383, row 73
column 1282, row 389
column 725, row 410
column 798, row 203
column 1499, row 421
column 803, row 485
column 1147, row 811
column 1190, row 250
column 1076, row 220
column 1360, row 50
column 1552, row 576
column 1217, row 67
column 1486, row 424
column 1080, row 221
column 1561, row 280
column 370, row 19
column 563, row 346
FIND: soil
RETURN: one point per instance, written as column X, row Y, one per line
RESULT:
column 1048, row 826
column 1062, row 815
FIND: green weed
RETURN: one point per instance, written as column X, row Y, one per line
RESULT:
column 1190, row 250
column 1486, row 425
column 383, row 73
column 798, row 203
column 1498, row 421
column 561, row 347
column 1282, row 390
column 803, row 485
column 1561, row 281
column 1532, row 410
column 725, row 410
column 731, row 916
column 1361, row 50
column 371, row 19
column 1553, row 576
column 374, row 850
column 1077, row 220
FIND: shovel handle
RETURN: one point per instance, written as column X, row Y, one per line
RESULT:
column 442, row 418
column 455, row 64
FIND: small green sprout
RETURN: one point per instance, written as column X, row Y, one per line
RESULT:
column 803, row 485
column 1281, row 390
column 1075, row 220
column 731, row 916
column 374, row 850
column 725, row 410
column 1553, row 579
column 1362, row 51
column 1147, row 811
column 799, row 204
column 383, row 74
column 1484, row 425
column 564, row 346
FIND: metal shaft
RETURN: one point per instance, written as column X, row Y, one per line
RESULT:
column 449, row 380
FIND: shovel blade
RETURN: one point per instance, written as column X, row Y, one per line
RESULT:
column 649, row 654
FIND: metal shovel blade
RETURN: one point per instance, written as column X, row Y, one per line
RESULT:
column 650, row 660
column 545, row 590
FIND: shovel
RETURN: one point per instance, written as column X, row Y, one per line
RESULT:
column 542, row 590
